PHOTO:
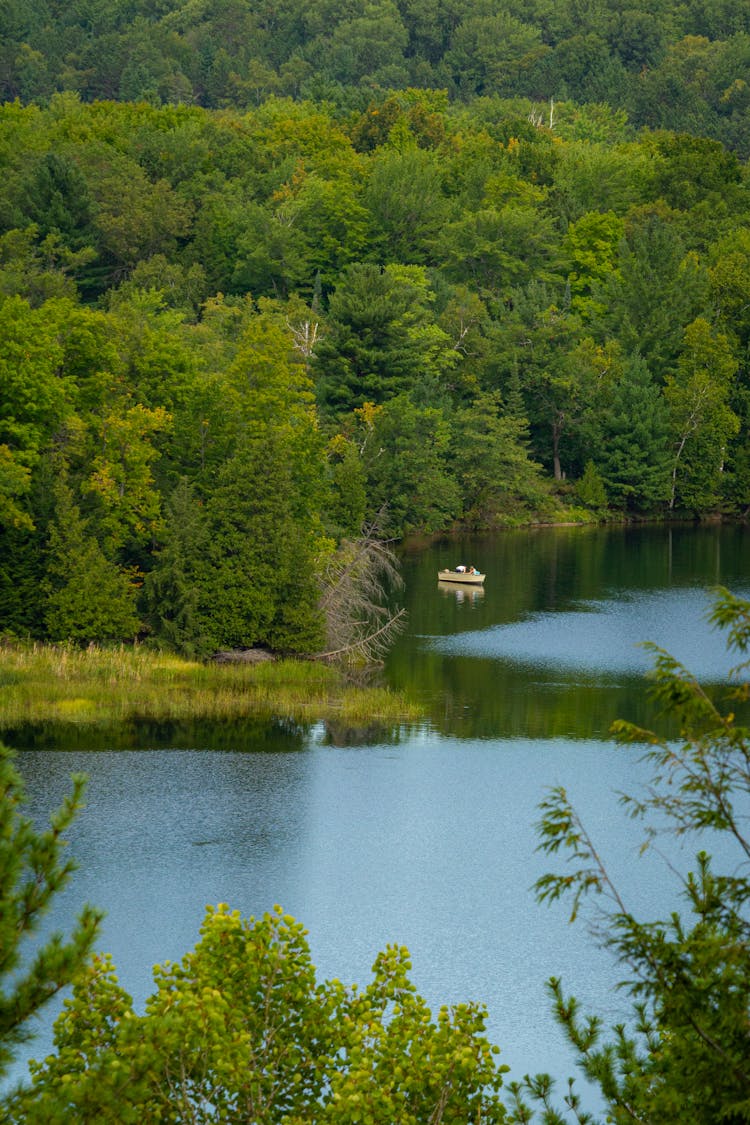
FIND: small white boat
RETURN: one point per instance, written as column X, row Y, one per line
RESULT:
column 461, row 576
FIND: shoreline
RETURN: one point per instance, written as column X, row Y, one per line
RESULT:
column 100, row 687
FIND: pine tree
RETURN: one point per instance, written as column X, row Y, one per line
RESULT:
column 634, row 461
column 32, row 871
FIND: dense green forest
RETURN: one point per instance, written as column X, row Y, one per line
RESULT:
column 675, row 65
column 411, row 268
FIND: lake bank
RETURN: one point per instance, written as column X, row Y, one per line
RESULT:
column 425, row 837
column 98, row 686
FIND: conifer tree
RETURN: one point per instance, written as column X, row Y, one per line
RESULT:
column 634, row 458
column 683, row 1053
column 89, row 598
column 171, row 592
column 33, row 869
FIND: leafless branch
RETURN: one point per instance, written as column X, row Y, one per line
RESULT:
column 360, row 625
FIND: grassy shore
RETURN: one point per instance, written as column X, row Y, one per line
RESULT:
column 102, row 686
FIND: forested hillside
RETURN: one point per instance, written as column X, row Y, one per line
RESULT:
column 681, row 66
column 233, row 333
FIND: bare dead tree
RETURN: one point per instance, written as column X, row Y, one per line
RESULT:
column 360, row 625
column 305, row 335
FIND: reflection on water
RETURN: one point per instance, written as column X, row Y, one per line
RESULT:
column 425, row 838
column 429, row 844
column 552, row 649
column 470, row 594
column 606, row 637
column 145, row 734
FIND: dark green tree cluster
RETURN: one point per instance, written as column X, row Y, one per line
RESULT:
column 674, row 66
column 160, row 492
column 227, row 339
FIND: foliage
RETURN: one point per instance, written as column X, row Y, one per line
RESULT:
column 633, row 455
column 492, row 465
column 676, row 67
column 590, row 488
column 33, row 870
column 241, row 1030
column 703, row 422
column 171, row 590
column 248, row 324
column 88, row 596
column 683, row 1053
column 407, row 461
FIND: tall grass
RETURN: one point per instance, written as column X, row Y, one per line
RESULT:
column 98, row 686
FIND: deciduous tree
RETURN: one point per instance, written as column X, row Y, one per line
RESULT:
column 702, row 420
column 240, row 1030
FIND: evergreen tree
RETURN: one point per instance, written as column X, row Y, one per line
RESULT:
column 683, row 1054
column 381, row 339
column 656, row 290
column 57, row 200
column 407, row 459
column 256, row 578
column 634, row 457
column 89, row 598
column 170, row 591
column 590, row 488
column 21, row 572
column 32, row 871
column 498, row 479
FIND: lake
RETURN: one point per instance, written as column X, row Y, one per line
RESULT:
column 423, row 837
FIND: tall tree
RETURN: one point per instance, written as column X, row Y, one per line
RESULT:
column 34, row 395
column 703, row 422
column 499, row 481
column 89, row 598
column 633, row 430
column 537, row 348
column 407, row 457
column 257, row 575
column 655, row 292
column 404, row 193
column 381, row 337
column 171, row 594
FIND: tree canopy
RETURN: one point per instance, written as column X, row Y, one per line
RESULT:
column 483, row 252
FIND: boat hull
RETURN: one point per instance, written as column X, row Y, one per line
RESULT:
column 464, row 579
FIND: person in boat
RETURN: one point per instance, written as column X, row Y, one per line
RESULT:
column 473, row 570
column 461, row 569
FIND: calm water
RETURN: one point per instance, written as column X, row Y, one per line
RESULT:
column 423, row 837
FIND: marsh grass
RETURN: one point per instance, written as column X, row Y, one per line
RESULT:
column 101, row 686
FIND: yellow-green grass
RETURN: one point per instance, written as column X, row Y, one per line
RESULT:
column 96, row 686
